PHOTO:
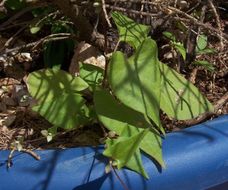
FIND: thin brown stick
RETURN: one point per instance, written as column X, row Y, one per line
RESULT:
column 12, row 38
column 105, row 14
column 17, row 49
column 32, row 153
column 195, row 21
column 22, row 12
column 74, row 64
column 118, row 177
column 194, row 7
column 35, row 45
column 115, row 8
column 54, row 37
column 218, row 22
column 15, row 25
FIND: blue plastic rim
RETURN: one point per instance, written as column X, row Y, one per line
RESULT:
column 196, row 159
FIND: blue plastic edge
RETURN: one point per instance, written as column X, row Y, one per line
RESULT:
column 196, row 159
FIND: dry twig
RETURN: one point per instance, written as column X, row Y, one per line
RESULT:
column 105, row 14
column 195, row 21
column 22, row 12
column 35, row 45
column 218, row 22
column 30, row 152
column 118, row 177
column 121, row 9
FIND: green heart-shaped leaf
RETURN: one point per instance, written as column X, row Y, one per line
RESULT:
column 179, row 98
column 44, row 85
column 201, row 43
column 136, row 81
column 106, row 107
column 129, row 30
column 125, row 151
column 92, row 74
column 66, row 111
column 58, row 100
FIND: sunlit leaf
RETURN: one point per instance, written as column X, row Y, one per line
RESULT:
column 66, row 111
column 205, row 64
column 106, row 107
column 123, row 148
column 115, row 115
column 180, row 48
column 44, row 85
column 92, row 74
column 34, row 29
column 58, row 100
column 169, row 35
column 125, row 151
column 136, row 81
column 129, row 30
column 201, row 43
column 179, row 98
column 206, row 51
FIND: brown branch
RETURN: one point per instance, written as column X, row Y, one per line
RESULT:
column 34, row 45
column 118, row 177
column 105, row 14
column 115, row 8
column 12, row 38
column 195, row 21
column 9, row 160
column 217, row 22
column 22, row 12
column 32, row 153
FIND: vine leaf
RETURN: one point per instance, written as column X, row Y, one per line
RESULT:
column 170, row 36
column 137, row 81
column 201, row 43
column 106, row 107
column 125, row 150
column 209, row 66
column 129, row 30
column 180, row 47
column 59, row 101
column 47, row 84
column 92, row 74
column 180, row 99
column 177, row 45
column 66, row 111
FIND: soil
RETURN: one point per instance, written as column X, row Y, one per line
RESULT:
column 18, row 124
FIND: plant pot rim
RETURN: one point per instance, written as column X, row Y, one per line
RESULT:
column 195, row 157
